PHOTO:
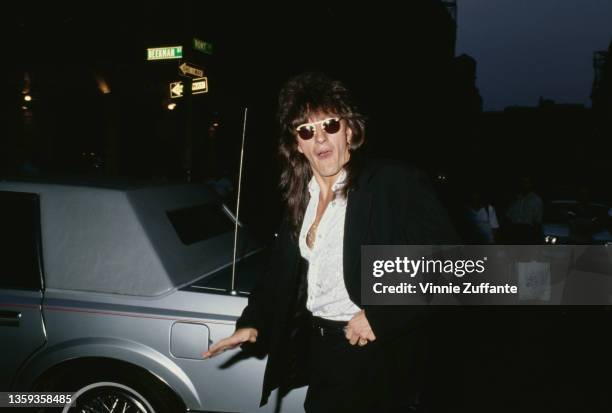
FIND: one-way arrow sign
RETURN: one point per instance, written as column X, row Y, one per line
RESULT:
column 187, row 69
column 176, row 90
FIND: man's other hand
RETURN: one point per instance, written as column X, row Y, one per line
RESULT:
column 358, row 330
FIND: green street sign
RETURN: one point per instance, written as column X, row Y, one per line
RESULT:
column 165, row 53
column 202, row 46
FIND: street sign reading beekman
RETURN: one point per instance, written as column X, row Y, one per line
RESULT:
column 165, row 53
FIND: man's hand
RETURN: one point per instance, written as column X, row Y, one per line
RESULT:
column 242, row 335
column 358, row 330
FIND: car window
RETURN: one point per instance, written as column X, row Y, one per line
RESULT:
column 247, row 270
column 199, row 223
column 19, row 241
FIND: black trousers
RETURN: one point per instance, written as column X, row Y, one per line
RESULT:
column 346, row 378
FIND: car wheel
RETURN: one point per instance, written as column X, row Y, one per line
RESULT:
column 99, row 390
column 106, row 396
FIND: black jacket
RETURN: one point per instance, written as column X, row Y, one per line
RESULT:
column 391, row 203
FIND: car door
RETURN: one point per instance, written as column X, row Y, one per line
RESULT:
column 21, row 282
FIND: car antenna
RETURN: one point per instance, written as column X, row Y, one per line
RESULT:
column 233, row 288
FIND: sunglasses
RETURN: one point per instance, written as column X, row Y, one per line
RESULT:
column 307, row 130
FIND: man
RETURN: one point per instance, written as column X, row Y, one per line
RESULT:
column 306, row 313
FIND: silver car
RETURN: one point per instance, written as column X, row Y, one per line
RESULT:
column 114, row 291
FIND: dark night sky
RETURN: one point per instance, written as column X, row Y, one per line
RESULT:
column 524, row 48
column 531, row 48
column 398, row 60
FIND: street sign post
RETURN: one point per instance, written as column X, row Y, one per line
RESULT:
column 198, row 86
column 202, row 46
column 165, row 53
column 188, row 69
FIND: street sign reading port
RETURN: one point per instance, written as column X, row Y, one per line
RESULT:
column 202, row 46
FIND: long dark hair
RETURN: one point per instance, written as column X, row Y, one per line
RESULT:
column 300, row 97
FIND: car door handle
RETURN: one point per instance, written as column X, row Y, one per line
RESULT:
column 9, row 318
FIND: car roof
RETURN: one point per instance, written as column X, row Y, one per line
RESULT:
column 119, row 239
column 573, row 201
column 102, row 182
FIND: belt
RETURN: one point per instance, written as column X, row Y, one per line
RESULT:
column 323, row 327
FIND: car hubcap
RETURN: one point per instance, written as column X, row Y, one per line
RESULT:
column 108, row 398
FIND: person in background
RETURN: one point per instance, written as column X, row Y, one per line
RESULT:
column 524, row 215
column 483, row 220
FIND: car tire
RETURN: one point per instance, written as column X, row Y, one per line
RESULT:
column 138, row 390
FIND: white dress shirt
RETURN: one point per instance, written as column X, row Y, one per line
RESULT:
column 327, row 294
column 486, row 221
